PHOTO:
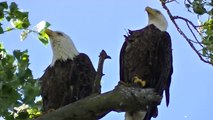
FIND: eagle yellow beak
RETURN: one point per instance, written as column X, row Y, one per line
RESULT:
column 150, row 11
column 49, row 32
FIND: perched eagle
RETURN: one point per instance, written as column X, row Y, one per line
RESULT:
column 69, row 77
column 146, row 61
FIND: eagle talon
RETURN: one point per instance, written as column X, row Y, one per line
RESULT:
column 123, row 83
column 138, row 81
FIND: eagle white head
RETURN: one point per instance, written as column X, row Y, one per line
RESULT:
column 156, row 18
column 62, row 46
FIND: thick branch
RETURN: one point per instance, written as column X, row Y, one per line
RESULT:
column 97, row 84
column 120, row 99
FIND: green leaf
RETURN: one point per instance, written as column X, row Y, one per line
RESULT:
column 9, row 28
column 47, row 25
column 198, row 7
column 29, row 92
column 34, row 112
column 18, row 24
column 199, row 10
column 8, row 18
column 1, row 46
column 24, row 34
column 4, row 5
column 10, row 95
column 26, row 23
column 21, row 15
column 204, row 50
column 1, row 13
column 22, row 115
column 17, row 54
column 44, row 39
column 42, row 26
column 13, row 7
column 1, row 30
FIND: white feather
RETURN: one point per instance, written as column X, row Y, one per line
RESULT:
column 139, row 115
column 62, row 46
column 158, row 20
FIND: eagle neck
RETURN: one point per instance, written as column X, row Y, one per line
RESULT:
column 63, row 50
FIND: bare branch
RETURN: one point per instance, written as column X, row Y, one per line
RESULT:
column 173, row 18
column 120, row 99
column 169, row 1
column 187, row 21
column 197, row 41
column 97, row 84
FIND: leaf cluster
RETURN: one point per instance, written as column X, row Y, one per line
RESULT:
column 204, row 8
column 200, row 7
column 19, row 20
column 207, row 33
column 11, row 13
column 17, row 86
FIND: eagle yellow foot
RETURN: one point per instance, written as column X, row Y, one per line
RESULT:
column 138, row 81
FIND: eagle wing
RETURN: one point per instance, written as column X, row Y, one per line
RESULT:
column 67, row 81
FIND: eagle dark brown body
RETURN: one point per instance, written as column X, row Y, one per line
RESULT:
column 67, row 81
column 147, row 54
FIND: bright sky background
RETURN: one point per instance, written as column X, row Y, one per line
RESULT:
column 100, row 24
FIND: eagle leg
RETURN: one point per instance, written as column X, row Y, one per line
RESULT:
column 124, row 83
column 138, row 81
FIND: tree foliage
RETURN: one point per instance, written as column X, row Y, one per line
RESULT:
column 204, row 8
column 12, row 14
column 18, row 87
column 19, row 20
column 203, row 46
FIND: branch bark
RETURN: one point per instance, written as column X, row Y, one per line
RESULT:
column 97, row 84
column 120, row 99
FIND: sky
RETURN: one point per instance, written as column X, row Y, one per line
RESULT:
column 94, row 25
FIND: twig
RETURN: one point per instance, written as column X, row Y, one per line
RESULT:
column 187, row 1
column 169, row 1
column 197, row 41
column 97, row 84
column 187, row 21
column 182, row 33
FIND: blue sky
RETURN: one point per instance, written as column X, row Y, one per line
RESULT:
column 100, row 24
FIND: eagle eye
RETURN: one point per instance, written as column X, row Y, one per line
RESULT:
column 59, row 33
column 158, row 11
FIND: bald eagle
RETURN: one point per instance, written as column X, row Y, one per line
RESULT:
column 69, row 77
column 146, row 61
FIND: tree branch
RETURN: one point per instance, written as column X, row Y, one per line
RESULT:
column 173, row 18
column 120, row 99
column 97, row 84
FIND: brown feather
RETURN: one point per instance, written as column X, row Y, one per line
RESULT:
column 147, row 54
column 67, row 81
